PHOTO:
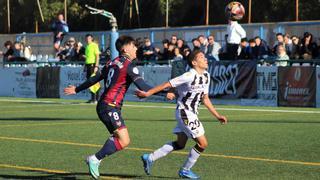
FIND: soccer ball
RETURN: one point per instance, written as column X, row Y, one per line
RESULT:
column 234, row 11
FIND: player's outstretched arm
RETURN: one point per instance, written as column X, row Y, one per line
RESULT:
column 206, row 101
column 91, row 81
column 144, row 94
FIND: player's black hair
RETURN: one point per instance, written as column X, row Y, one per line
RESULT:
column 122, row 41
column 192, row 57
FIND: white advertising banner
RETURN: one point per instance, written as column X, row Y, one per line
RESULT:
column 25, row 82
column 18, row 82
column 7, row 80
column 318, row 87
column 267, row 84
column 73, row 76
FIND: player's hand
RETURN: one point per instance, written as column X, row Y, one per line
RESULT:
column 70, row 90
column 222, row 119
column 96, row 68
column 141, row 94
column 171, row 95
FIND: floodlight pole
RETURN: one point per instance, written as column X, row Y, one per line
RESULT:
column 8, row 13
column 167, row 13
column 207, row 12
column 114, row 31
column 249, row 12
column 297, row 10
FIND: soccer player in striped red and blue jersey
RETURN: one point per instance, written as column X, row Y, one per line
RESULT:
column 117, row 74
column 192, row 88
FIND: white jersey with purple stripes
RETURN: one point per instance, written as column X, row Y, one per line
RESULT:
column 191, row 87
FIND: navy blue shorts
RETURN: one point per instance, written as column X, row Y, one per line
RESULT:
column 110, row 116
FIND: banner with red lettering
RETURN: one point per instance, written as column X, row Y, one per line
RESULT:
column 297, row 86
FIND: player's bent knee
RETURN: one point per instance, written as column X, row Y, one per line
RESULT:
column 199, row 148
column 203, row 145
column 125, row 142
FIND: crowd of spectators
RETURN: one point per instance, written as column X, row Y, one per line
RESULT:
column 286, row 47
column 16, row 51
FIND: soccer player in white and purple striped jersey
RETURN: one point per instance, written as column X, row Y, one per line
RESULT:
column 192, row 88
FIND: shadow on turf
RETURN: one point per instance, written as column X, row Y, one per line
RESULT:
column 161, row 120
column 69, row 176
column 81, row 175
column 41, row 119
column 276, row 121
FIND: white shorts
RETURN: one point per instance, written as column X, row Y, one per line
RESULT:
column 188, row 122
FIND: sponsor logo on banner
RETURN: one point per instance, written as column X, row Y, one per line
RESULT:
column 233, row 80
column 267, row 83
column 318, row 87
column 224, row 77
column 25, row 82
column 297, row 86
column 73, row 76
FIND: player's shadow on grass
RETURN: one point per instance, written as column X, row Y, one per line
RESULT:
column 70, row 176
column 41, row 119
column 276, row 121
column 81, row 175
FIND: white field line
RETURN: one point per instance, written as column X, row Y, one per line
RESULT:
column 171, row 107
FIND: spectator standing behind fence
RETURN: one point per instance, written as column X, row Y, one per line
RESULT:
column 196, row 44
column 186, row 53
column 80, row 53
column 9, row 51
column 92, row 53
column 244, row 52
column 212, row 50
column 26, row 51
column 164, row 55
column 262, row 48
column 288, row 43
column 174, row 40
column 203, row 43
column 14, row 53
column 296, row 46
column 178, row 56
column 309, row 49
column 253, row 49
column 282, row 56
column 171, row 51
column 279, row 41
column 181, row 45
column 235, row 34
column 69, row 51
column 60, row 29
column 149, row 52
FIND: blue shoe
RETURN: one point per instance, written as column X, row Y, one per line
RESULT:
column 147, row 164
column 93, row 164
column 188, row 174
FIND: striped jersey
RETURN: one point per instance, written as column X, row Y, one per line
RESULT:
column 191, row 87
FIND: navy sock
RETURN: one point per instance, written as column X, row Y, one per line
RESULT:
column 111, row 146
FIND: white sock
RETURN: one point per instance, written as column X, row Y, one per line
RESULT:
column 94, row 157
column 192, row 159
column 161, row 152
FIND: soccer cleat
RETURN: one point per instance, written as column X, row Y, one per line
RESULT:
column 93, row 164
column 183, row 173
column 147, row 163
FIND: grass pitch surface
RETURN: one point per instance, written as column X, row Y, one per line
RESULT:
column 49, row 139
